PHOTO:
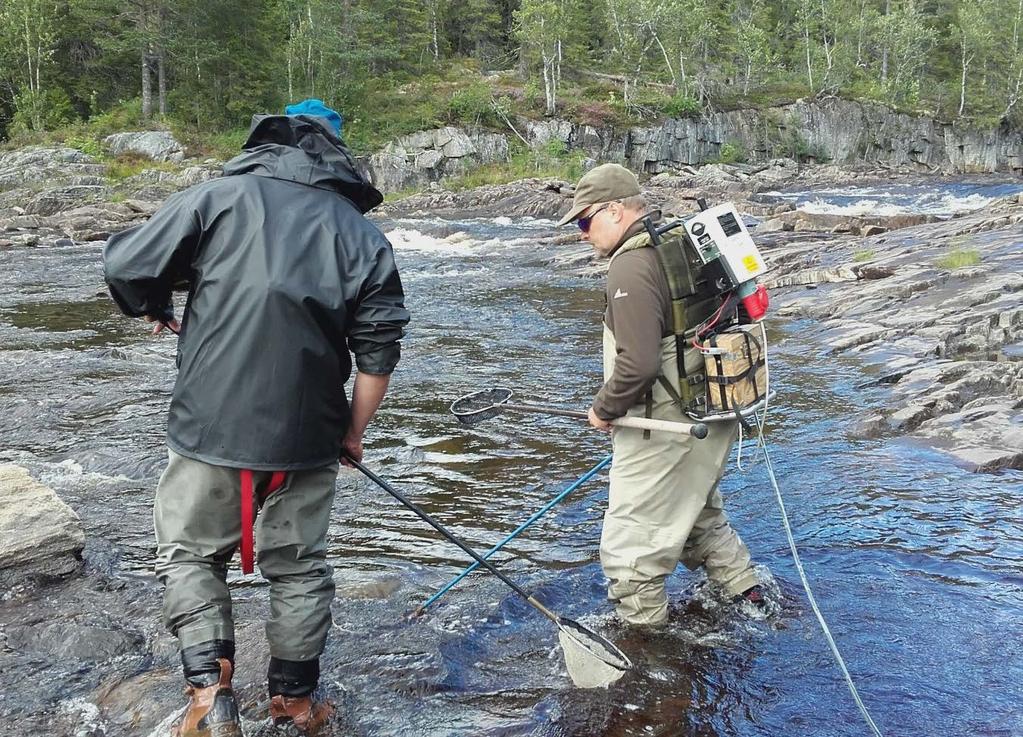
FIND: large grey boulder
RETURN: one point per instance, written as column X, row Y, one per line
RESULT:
column 36, row 164
column 39, row 533
column 155, row 145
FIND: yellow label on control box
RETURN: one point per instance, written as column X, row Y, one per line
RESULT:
column 751, row 263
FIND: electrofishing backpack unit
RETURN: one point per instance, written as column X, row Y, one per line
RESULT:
column 717, row 307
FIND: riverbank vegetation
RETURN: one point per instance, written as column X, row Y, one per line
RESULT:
column 78, row 69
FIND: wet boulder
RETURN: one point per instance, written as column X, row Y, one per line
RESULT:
column 40, row 535
column 774, row 225
column 73, row 641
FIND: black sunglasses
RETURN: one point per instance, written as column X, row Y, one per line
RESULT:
column 584, row 223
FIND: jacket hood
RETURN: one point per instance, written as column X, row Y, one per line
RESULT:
column 302, row 148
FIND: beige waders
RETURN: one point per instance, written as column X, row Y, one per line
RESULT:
column 198, row 528
column 664, row 505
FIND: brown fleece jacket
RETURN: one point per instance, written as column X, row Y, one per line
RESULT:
column 638, row 313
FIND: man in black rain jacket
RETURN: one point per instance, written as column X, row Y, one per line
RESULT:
column 286, row 280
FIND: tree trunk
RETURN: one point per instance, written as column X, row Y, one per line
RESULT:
column 859, row 33
column 291, row 68
column 809, row 64
column 35, row 112
column 309, row 52
column 147, row 88
column 161, row 80
column 962, row 81
column 884, row 51
column 667, row 62
column 436, row 44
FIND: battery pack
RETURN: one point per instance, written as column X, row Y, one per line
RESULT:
column 736, row 366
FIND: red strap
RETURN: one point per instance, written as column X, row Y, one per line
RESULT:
column 276, row 482
column 249, row 516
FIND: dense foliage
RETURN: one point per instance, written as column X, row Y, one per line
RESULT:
column 396, row 66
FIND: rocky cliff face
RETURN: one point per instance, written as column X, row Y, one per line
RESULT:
column 418, row 159
column 834, row 130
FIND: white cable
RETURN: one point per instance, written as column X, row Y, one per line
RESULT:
column 760, row 420
column 806, row 586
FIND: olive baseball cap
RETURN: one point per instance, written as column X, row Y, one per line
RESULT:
column 604, row 183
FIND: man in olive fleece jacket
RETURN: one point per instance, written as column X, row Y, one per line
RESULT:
column 664, row 505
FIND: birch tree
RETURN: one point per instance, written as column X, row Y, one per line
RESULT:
column 540, row 27
column 907, row 40
column 974, row 30
column 753, row 39
column 27, row 28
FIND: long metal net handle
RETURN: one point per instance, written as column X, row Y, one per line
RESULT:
column 483, row 405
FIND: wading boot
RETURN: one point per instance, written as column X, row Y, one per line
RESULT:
column 212, row 709
column 299, row 716
column 753, row 595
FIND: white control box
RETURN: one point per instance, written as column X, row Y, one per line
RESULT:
column 720, row 235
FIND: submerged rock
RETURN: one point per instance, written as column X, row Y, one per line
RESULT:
column 40, row 535
column 71, row 641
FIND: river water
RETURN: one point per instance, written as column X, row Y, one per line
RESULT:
column 914, row 561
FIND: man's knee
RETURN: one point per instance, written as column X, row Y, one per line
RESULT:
column 294, row 562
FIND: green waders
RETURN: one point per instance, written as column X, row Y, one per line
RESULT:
column 664, row 506
column 198, row 528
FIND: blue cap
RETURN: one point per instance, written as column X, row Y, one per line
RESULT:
column 316, row 107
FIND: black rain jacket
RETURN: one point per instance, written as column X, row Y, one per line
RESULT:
column 286, row 279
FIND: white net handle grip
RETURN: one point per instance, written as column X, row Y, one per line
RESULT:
column 697, row 429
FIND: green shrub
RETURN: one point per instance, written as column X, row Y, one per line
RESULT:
column 681, row 106
column 555, row 149
column 228, row 144
column 959, row 259
column 472, row 105
column 88, row 146
column 864, row 255
column 125, row 116
column 41, row 111
column 732, row 153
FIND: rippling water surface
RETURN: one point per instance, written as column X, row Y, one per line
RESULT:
column 915, row 562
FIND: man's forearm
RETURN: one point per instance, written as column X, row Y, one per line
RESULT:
column 367, row 394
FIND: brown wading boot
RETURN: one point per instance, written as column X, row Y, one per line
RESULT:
column 212, row 710
column 299, row 716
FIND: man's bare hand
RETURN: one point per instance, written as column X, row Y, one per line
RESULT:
column 174, row 325
column 597, row 422
column 351, row 447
